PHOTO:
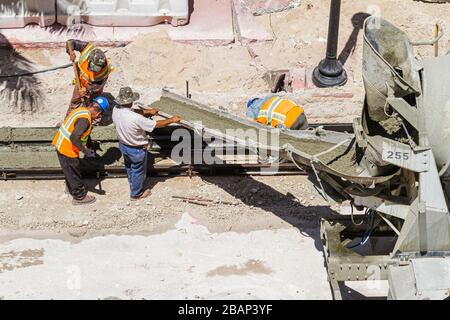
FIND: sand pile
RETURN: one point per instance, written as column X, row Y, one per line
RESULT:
column 163, row 62
column 225, row 74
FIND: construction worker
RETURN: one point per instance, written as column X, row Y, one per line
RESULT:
column 132, row 127
column 72, row 138
column 277, row 112
column 93, row 68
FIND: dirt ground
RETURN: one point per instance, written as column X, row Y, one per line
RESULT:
column 172, row 249
column 219, row 76
column 259, row 240
column 36, row 207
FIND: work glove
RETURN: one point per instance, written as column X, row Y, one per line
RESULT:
column 90, row 153
column 95, row 145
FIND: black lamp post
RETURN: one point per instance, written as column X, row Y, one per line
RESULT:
column 330, row 72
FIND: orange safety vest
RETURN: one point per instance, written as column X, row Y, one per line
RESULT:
column 62, row 138
column 277, row 110
column 88, row 76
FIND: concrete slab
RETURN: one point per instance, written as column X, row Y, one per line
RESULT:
column 247, row 27
column 210, row 24
column 185, row 262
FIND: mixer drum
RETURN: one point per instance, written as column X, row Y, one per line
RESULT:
column 388, row 63
column 389, row 67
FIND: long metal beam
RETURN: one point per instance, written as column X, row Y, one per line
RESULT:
column 45, row 134
column 159, row 169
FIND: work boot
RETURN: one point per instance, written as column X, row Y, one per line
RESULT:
column 143, row 195
column 88, row 199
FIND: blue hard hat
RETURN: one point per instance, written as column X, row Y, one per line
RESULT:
column 250, row 102
column 102, row 102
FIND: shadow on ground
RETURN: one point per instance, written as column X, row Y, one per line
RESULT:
column 285, row 206
column 23, row 94
column 350, row 46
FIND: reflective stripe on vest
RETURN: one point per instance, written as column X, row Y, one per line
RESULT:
column 278, row 116
column 87, row 76
column 278, row 110
column 271, row 110
column 62, row 139
column 268, row 108
column 85, row 53
column 64, row 131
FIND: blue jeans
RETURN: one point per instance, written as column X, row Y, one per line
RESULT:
column 136, row 165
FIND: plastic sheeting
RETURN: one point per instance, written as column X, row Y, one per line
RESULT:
column 19, row 13
column 114, row 13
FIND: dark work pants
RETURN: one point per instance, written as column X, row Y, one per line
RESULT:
column 301, row 123
column 72, row 172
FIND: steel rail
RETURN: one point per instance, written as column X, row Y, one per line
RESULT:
column 159, row 170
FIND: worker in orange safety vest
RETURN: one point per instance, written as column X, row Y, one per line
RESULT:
column 93, row 69
column 72, row 138
column 277, row 112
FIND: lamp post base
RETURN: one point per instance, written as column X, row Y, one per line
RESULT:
column 329, row 73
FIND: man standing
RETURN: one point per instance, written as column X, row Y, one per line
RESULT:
column 72, row 138
column 93, row 68
column 277, row 112
column 132, row 128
